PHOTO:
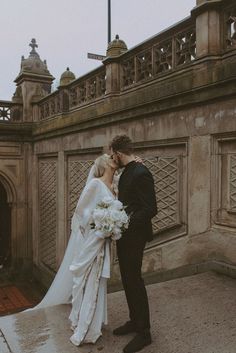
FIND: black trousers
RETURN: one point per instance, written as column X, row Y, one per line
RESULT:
column 130, row 254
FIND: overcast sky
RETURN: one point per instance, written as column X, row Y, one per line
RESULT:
column 67, row 30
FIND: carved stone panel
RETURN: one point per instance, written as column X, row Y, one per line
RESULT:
column 78, row 171
column 166, row 177
column 230, row 27
column 47, row 212
column 144, row 65
column 163, row 57
column 232, row 183
column 185, row 47
column 128, row 72
column 224, row 199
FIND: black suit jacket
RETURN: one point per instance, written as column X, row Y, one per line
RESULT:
column 136, row 192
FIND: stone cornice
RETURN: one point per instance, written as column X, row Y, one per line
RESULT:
column 12, row 131
column 27, row 76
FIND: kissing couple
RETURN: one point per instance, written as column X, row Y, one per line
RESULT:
column 82, row 277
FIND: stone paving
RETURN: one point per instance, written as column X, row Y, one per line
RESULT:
column 194, row 314
column 12, row 300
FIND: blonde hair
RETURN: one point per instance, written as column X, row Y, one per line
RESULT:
column 100, row 165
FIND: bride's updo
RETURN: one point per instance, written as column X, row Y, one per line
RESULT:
column 100, row 165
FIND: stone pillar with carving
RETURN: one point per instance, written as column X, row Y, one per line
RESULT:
column 33, row 82
column 115, row 48
column 208, row 27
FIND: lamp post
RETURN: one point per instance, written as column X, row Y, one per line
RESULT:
column 109, row 21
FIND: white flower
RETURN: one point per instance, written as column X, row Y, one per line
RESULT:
column 100, row 215
column 117, row 205
column 109, row 219
column 107, row 200
column 115, row 215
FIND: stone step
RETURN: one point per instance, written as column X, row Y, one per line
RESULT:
column 194, row 314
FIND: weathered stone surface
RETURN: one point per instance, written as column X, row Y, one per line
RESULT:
column 195, row 314
column 174, row 95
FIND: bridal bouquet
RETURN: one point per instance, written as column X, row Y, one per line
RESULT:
column 109, row 219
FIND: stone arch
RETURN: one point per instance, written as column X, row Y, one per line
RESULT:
column 9, row 187
column 8, row 214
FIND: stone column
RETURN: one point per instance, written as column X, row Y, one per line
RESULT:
column 199, row 184
column 116, row 48
column 208, row 36
column 112, row 75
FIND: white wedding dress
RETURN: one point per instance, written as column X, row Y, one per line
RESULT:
column 82, row 276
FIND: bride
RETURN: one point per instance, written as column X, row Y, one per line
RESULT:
column 82, row 276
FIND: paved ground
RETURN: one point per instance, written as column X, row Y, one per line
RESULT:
column 17, row 293
column 194, row 314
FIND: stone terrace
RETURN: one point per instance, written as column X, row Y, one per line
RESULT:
column 190, row 315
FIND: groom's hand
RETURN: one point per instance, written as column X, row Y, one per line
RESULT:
column 138, row 159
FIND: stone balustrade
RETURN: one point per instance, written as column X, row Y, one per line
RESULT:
column 160, row 55
column 10, row 111
column 81, row 91
column 229, row 15
column 210, row 30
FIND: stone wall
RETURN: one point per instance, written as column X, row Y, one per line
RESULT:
column 174, row 95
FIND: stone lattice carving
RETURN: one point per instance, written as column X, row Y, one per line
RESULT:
column 73, row 96
column 47, row 212
column 186, row 47
column 91, row 88
column 77, row 175
column 165, row 173
column 231, row 29
column 87, row 90
column 163, row 57
column 5, row 112
column 101, row 84
column 52, row 106
column 128, row 69
column 82, row 93
column 144, row 65
column 232, row 183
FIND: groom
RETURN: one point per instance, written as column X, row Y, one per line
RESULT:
column 136, row 192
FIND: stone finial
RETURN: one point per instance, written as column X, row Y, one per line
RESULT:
column 67, row 77
column 33, row 45
column 116, row 47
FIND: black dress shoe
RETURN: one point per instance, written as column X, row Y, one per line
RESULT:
column 128, row 327
column 138, row 342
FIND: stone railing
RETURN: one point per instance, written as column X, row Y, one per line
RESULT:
column 160, row 55
column 81, row 91
column 229, row 15
column 10, row 111
column 209, row 32
column 87, row 88
column 157, row 56
column 51, row 105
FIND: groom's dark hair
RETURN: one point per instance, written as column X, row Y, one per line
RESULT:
column 122, row 143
